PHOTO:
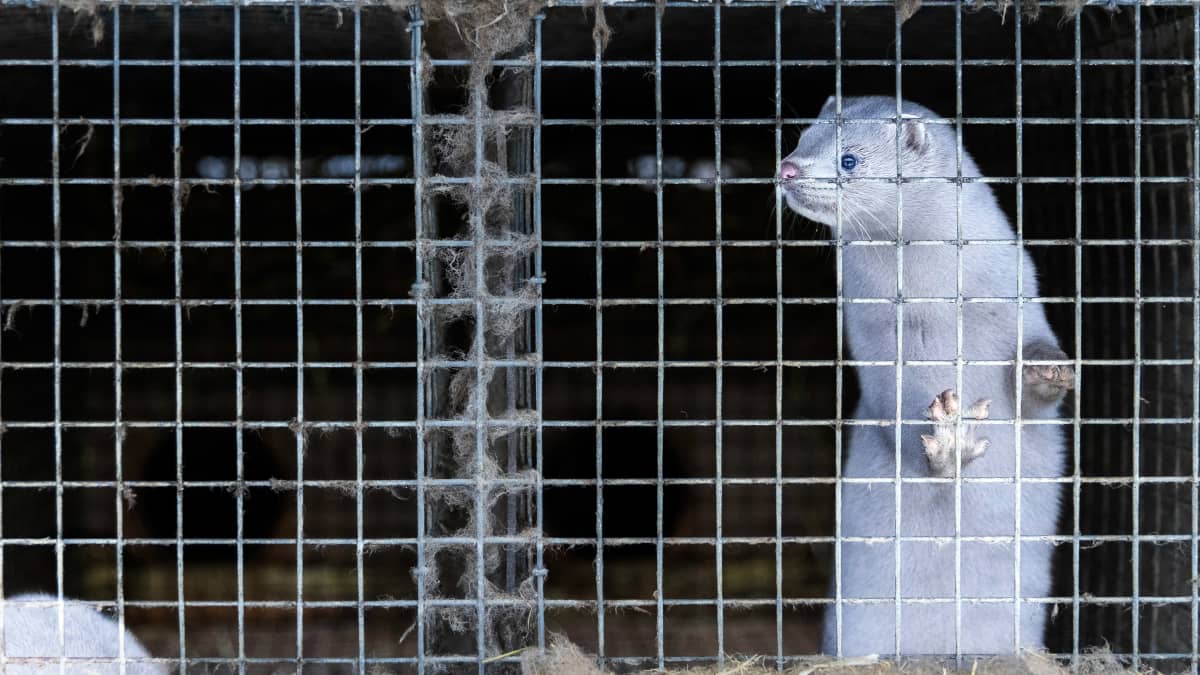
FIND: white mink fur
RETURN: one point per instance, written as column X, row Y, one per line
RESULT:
column 91, row 639
column 989, row 332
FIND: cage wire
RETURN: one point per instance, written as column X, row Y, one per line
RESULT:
column 491, row 278
column 354, row 336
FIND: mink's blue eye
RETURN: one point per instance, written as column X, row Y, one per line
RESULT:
column 849, row 162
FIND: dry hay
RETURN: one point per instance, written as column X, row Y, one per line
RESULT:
column 562, row 657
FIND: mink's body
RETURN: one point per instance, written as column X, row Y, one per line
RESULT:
column 930, row 210
column 91, row 640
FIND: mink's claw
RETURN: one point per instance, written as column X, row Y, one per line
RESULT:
column 947, row 441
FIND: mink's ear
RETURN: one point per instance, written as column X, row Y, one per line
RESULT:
column 915, row 135
column 829, row 108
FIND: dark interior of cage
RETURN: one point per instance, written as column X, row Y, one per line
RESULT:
column 211, row 508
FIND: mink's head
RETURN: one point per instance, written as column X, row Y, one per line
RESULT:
column 868, row 149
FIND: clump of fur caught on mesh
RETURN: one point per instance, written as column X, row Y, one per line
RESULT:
column 561, row 657
column 1029, row 9
column 488, row 276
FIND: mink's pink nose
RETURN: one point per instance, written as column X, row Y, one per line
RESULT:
column 788, row 171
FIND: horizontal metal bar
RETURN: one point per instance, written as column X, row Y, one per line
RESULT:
column 351, row 486
column 642, row 4
column 1084, row 300
column 632, row 661
column 458, row 120
column 592, row 182
column 521, row 423
column 630, row 603
column 793, row 602
column 216, row 121
column 588, row 64
column 755, row 364
column 281, row 484
column 734, row 422
column 1111, row 481
column 576, row 542
column 135, row 244
column 583, row 122
column 614, row 302
column 788, row 658
column 942, row 180
column 803, row 243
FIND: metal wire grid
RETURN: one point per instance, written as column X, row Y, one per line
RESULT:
column 1164, row 448
column 659, row 604
column 1079, row 243
column 179, row 365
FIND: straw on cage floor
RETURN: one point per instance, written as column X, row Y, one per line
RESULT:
column 563, row 658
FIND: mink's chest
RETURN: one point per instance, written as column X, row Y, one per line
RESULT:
column 941, row 331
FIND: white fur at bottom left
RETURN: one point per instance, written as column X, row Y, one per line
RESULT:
column 91, row 641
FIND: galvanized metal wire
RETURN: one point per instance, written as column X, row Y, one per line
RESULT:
column 1158, row 238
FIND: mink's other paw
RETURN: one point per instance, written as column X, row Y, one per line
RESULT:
column 1047, row 384
column 948, row 440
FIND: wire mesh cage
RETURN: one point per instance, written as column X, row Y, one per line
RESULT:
column 350, row 336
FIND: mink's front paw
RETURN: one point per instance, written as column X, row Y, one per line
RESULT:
column 948, row 441
column 1047, row 384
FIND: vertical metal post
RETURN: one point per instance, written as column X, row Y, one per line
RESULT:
column 958, row 319
column 359, row 425
column 422, row 267
column 56, row 182
column 898, row 413
column 300, row 425
column 597, row 75
column 239, row 336
column 118, row 424
column 719, row 375
column 1018, row 369
column 177, row 306
column 660, row 374
column 1135, row 591
column 1076, row 422
column 1194, row 163
column 839, row 350
column 539, row 570
column 777, row 20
